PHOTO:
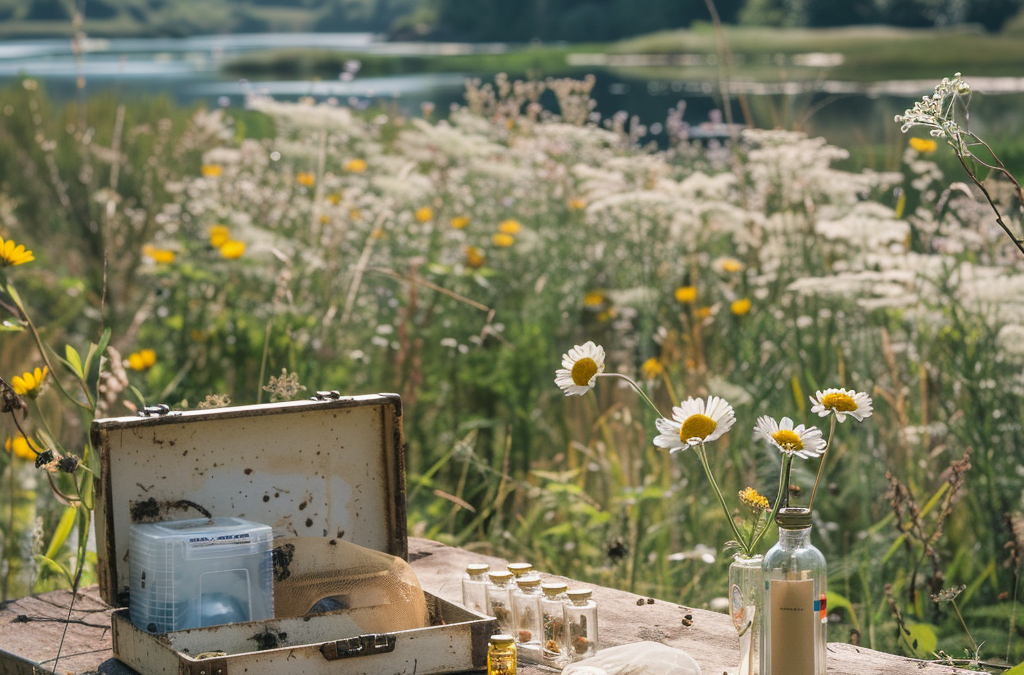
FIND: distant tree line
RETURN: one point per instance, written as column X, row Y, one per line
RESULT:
column 601, row 20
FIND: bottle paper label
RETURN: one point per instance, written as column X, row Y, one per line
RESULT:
column 792, row 626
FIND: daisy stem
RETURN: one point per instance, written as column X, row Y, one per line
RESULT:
column 702, row 454
column 787, row 464
column 636, row 387
column 824, row 456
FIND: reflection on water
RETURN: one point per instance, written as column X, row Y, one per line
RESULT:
column 190, row 70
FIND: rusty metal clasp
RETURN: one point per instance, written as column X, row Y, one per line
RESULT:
column 364, row 645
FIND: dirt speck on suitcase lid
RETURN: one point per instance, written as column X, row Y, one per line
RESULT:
column 268, row 639
column 283, row 556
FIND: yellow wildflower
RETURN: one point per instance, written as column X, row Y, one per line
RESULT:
column 12, row 254
column 924, row 144
column 652, row 368
column 424, row 213
column 607, row 315
column 474, row 257
column 232, row 250
column 355, row 214
column 754, row 500
column 306, row 178
column 218, row 235
column 158, row 255
column 741, row 306
column 593, row 299
column 730, row 265
column 704, row 312
column 686, row 294
column 334, row 198
column 510, row 226
column 30, row 383
column 460, row 222
column 19, row 447
column 577, row 204
column 211, row 170
column 355, row 165
column 503, row 240
column 142, row 360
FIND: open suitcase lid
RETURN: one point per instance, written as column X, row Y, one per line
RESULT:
column 323, row 468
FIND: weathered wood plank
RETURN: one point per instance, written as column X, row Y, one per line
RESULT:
column 31, row 628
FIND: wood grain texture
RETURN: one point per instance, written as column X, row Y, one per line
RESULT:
column 31, row 628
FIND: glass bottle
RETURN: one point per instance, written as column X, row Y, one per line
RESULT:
column 501, row 655
column 499, row 600
column 554, row 651
column 474, row 587
column 793, row 637
column 581, row 621
column 526, row 610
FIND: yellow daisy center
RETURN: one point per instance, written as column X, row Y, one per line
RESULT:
column 838, row 401
column 753, row 499
column 788, row 439
column 697, row 426
column 583, row 371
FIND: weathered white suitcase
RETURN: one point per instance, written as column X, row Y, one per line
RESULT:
column 316, row 471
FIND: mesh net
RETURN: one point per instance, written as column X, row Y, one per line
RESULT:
column 379, row 592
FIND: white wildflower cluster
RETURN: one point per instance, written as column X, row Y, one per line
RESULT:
column 937, row 112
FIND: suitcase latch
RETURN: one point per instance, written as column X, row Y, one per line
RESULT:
column 364, row 645
column 333, row 395
column 155, row 410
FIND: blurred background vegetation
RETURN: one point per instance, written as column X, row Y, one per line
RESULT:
column 489, row 20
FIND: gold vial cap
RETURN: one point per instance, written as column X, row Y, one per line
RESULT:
column 553, row 588
column 579, row 595
column 501, row 640
column 528, row 582
column 519, row 568
column 477, row 568
column 500, row 576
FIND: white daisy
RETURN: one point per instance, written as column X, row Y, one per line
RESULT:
column 805, row 443
column 842, row 402
column 580, row 368
column 694, row 421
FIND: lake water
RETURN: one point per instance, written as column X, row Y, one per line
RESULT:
column 191, row 70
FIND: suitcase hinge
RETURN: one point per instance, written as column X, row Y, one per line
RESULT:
column 326, row 396
column 211, row 665
column 364, row 645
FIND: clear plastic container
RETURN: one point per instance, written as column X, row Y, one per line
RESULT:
column 474, row 587
column 526, row 609
column 581, row 623
column 793, row 639
column 499, row 600
column 554, row 651
column 197, row 573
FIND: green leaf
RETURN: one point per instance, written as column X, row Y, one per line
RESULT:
column 60, row 535
column 55, row 566
column 836, row 601
column 12, row 326
column 74, row 360
column 922, row 639
column 1016, row 670
column 96, row 348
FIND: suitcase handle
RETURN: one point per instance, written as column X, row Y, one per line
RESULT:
column 364, row 645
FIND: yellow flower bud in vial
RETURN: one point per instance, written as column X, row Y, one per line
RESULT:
column 501, row 655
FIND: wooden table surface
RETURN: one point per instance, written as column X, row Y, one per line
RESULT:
column 31, row 628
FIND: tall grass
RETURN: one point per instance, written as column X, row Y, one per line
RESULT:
column 373, row 261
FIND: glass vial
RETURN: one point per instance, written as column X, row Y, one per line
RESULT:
column 499, row 601
column 581, row 621
column 501, row 655
column 795, row 618
column 526, row 609
column 554, row 651
column 474, row 587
